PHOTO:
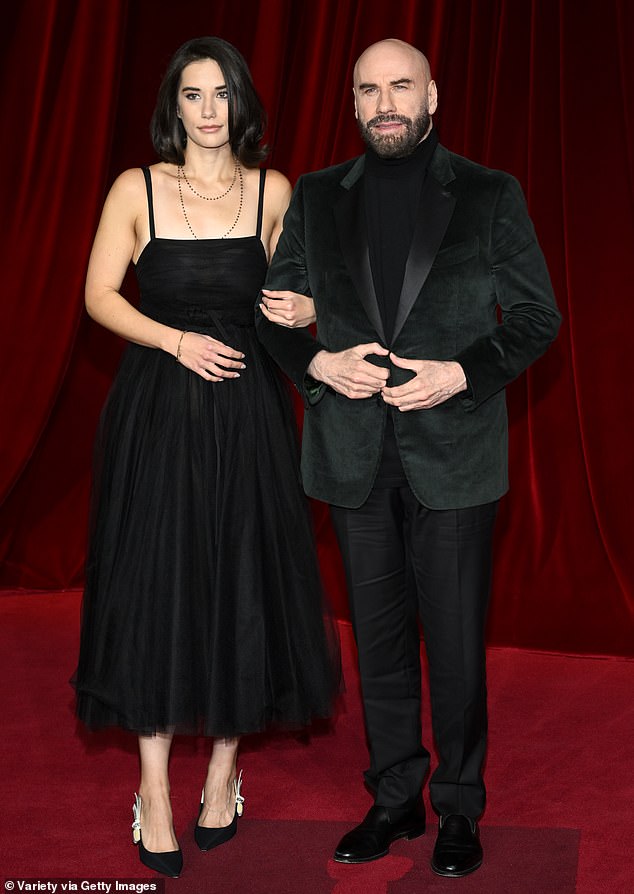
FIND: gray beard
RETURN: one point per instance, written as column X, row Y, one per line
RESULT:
column 392, row 146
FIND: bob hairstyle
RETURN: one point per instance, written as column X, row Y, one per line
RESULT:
column 247, row 118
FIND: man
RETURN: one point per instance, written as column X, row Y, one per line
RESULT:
column 431, row 294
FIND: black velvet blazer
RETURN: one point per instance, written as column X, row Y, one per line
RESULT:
column 476, row 290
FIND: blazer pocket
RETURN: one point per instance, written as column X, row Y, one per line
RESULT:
column 457, row 254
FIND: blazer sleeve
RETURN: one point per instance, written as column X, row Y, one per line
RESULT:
column 530, row 319
column 292, row 349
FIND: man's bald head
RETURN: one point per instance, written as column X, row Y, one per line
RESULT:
column 394, row 97
column 391, row 51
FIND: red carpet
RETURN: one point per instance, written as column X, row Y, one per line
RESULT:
column 559, row 775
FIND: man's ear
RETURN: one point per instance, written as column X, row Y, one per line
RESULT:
column 356, row 110
column 432, row 97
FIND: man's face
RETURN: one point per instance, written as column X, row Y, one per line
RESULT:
column 394, row 100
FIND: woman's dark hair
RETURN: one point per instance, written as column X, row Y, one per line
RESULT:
column 247, row 118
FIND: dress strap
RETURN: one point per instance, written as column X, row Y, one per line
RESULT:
column 258, row 229
column 150, row 202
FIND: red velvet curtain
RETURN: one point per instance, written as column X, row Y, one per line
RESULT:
column 541, row 88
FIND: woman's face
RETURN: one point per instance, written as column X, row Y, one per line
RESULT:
column 203, row 104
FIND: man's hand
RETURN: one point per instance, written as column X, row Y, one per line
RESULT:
column 434, row 383
column 288, row 308
column 349, row 373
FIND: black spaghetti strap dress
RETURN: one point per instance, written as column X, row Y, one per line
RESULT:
column 203, row 610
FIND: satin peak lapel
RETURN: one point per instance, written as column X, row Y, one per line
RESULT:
column 436, row 209
column 352, row 229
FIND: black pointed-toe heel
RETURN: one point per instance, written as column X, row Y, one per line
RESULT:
column 205, row 838
column 168, row 863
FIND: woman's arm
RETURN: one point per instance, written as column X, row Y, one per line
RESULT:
column 112, row 251
column 285, row 308
column 116, row 243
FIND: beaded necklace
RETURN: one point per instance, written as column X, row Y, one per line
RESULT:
column 181, row 176
column 181, row 172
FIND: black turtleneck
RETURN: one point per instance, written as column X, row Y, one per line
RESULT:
column 393, row 189
column 392, row 197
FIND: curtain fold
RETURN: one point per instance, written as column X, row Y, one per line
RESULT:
column 541, row 88
column 60, row 88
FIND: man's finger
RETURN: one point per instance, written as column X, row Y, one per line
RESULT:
column 278, row 293
column 372, row 348
column 403, row 362
column 399, row 391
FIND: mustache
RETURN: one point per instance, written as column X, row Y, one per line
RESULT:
column 389, row 119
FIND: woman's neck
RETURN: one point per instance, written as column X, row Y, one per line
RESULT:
column 209, row 165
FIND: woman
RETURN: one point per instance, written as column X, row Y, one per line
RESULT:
column 203, row 611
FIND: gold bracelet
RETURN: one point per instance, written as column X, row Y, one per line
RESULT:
column 178, row 349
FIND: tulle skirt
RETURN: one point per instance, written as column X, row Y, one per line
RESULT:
column 203, row 610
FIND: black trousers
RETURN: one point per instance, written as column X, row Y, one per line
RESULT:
column 404, row 563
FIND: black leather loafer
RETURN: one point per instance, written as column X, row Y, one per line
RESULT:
column 457, row 851
column 382, row 825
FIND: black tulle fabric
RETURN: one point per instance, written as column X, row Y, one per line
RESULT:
column 203, row 610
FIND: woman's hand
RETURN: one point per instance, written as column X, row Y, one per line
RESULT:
column 208, row 357
column 288, row 308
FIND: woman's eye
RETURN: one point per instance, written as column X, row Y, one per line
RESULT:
column 223, row 94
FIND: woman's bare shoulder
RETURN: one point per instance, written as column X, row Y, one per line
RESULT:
column 127, row 191
column 277, row 183
column 130, row 184
column 277, row 192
